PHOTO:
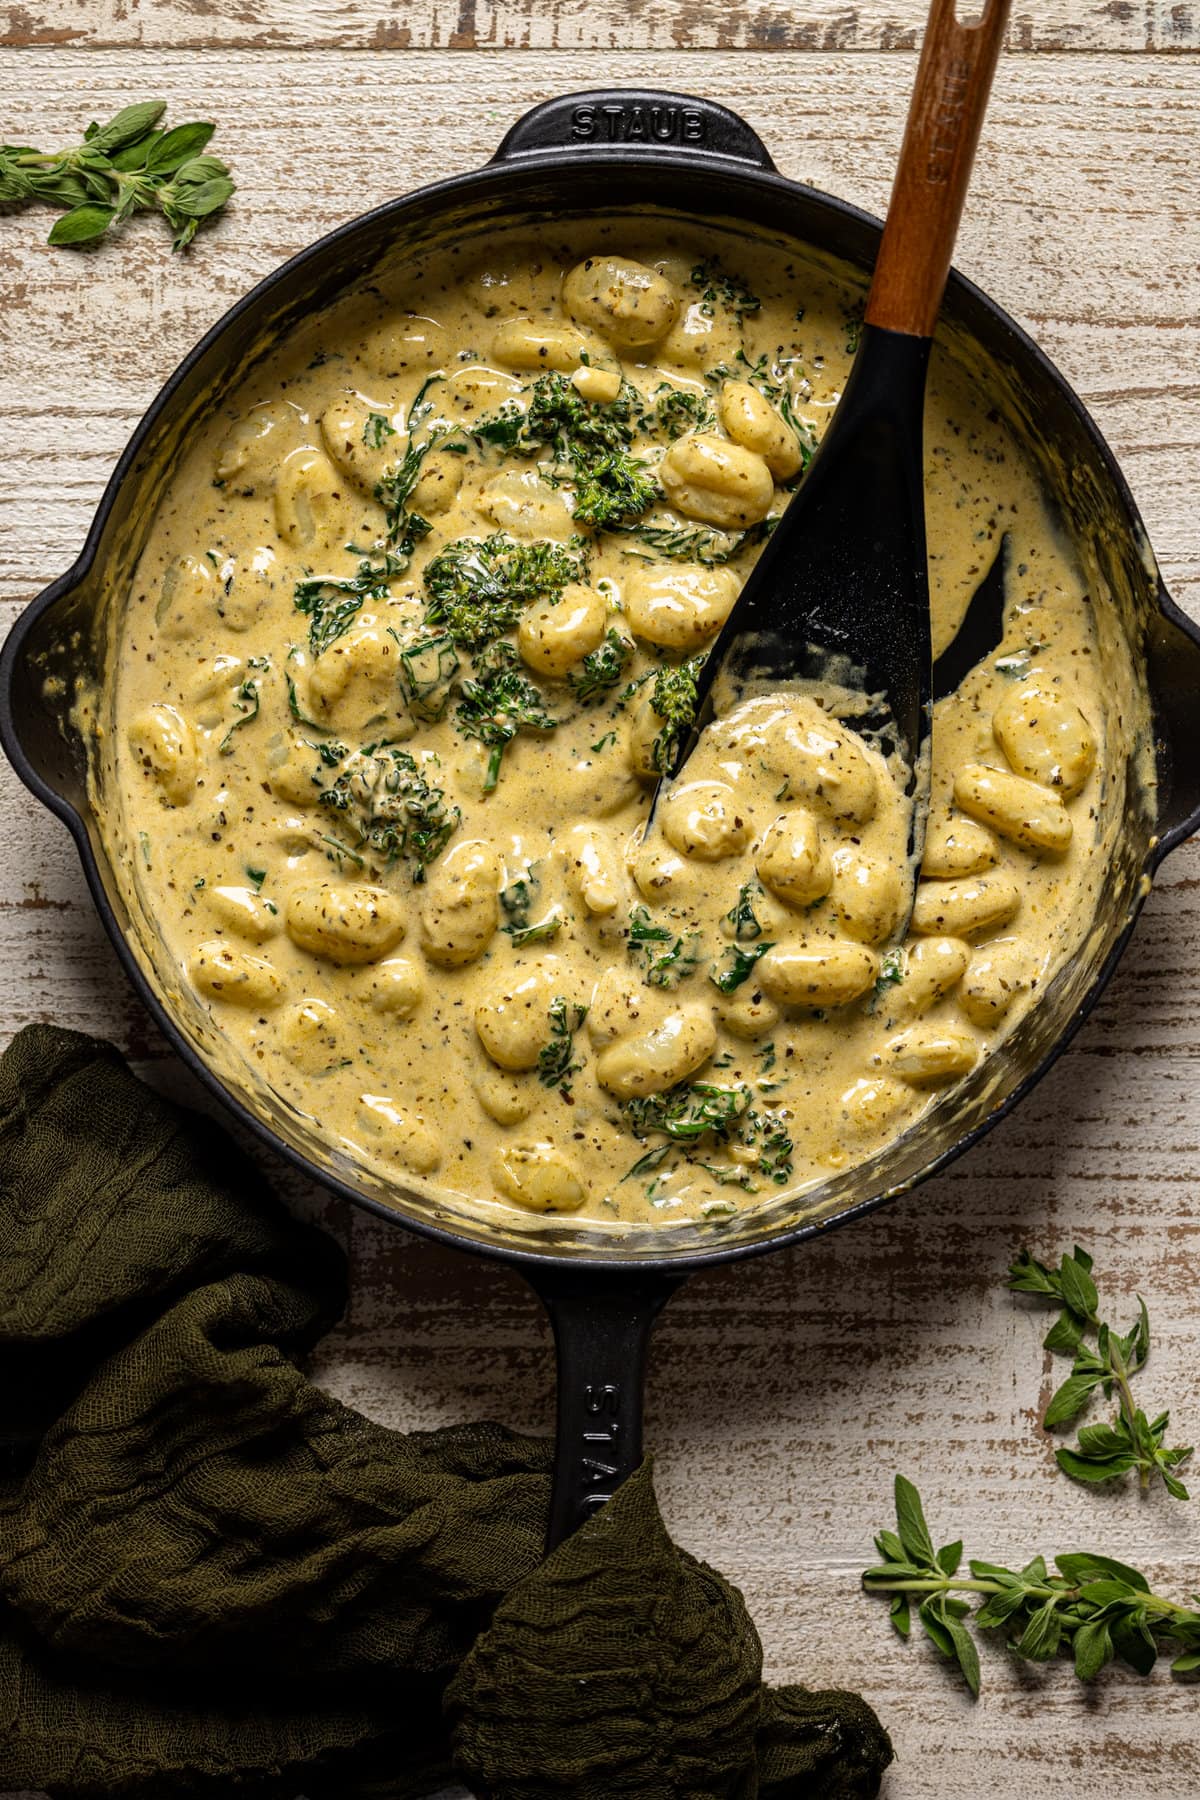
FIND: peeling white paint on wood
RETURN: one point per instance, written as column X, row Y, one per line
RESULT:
column 785, row 1392
column 845, row 26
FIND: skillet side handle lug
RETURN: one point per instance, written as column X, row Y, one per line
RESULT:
column 602, row 1326
column 1173, row 674
column 605, row 119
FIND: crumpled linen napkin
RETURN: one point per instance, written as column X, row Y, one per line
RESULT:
column 214, row 1578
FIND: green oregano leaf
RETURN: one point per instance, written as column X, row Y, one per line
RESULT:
column 82, row 225
column 910, row 1520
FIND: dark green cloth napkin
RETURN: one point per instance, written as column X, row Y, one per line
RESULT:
column 217, row 1580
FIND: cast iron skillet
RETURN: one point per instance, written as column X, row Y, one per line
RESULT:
column 603, row 153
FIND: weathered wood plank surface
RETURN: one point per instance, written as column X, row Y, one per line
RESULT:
column 1082, row 222
column 821, row 25
column 784, row 1393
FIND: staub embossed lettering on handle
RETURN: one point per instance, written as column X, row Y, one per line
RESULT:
column 947, row 117
column 632, row 123
column 601, row 1405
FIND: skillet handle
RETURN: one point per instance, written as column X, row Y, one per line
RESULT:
column 605, row 119
column 1173, row 673
column 602, row 1325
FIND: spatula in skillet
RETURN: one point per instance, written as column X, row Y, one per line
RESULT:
column 841, row 591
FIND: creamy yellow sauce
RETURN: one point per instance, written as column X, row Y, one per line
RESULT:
column 449, row 947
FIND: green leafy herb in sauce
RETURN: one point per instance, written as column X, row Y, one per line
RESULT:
column 557, row 1061
column 496, row 706
column 384, row 801
column 478, row 587
column 602, row 668
column 666, row 957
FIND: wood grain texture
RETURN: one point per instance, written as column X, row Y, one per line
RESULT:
column 812, row 25
column 786, row 1392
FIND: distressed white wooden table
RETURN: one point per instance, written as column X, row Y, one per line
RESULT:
column 784, row 1393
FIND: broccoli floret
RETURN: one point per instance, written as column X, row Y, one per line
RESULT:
column 496, row 705
column 673, row 697
column 478, row 587
column 613, row 489
column 576, row 428
column 601, row 668
column 392, row 811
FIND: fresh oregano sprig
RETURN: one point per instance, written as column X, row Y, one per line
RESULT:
column 129, row 165
column 1093, row 1607
column 1131, row 1440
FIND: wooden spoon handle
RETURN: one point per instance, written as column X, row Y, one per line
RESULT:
column 954, row 78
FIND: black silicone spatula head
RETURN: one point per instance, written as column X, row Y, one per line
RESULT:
column 841, row 592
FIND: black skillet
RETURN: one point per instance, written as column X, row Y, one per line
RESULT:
column 601, row 154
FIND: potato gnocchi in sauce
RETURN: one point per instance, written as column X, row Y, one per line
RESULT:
column 415, row 630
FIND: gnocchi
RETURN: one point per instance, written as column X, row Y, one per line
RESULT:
column 998, row 974
column 539, row 1177
column 164, row 745
column 355, row 438
column 700, row 338
column 556, row 634
column 461, row 908
column 309, row 1034
column 747, row 1013
column 246, row 590
column 965, row 908
column 679, row 609
column 245, row 912
column 520, row 503
column 350, row 922
column 437, row 486
column 289, row 774
column 627, row 303
column 256, row 445
column 597, row 384
column 404, row 343
column 1045, row 737
column 830, row 973
column 705, row 819
column 502, row 1097
column 513, row 1016
column 793, row 860
column 220, row 972
column 871, row 1104
column 1024, row 811
column 527, row 344
column 187, row 598
column 620, row 1005
column 930, row 1055
column 309, row 514
column 823, row 763
column 593, row 869
column 931, row 969
column 958, row 846
column 356, row 681
column 867, row 895
column 751, row 421
column 719, row 483
column 396, row 987
column 398, row 1135
column 650, row 1062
